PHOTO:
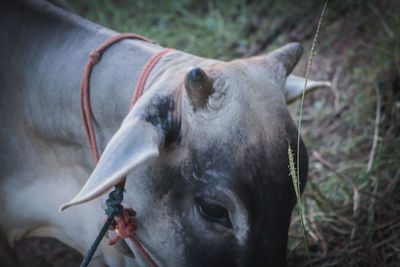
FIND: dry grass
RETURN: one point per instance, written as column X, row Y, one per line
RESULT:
column 352, row 202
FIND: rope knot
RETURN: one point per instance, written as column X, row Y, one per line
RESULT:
column 94, row 57
column 114, row 200
column 124, row 225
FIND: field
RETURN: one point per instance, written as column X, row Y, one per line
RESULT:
column 352, row 130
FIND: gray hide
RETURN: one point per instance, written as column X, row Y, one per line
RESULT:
column 208, row 178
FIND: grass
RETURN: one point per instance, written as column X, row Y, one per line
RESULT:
column 351, row 213
column 293, row 173
column 215, row 29
column 296, row 184
column 353, row 235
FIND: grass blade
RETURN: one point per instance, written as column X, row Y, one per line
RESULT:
column 295, row 175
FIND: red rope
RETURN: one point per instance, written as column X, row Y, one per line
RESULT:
column 145, row 73
column 86, row 113
column 125, row 224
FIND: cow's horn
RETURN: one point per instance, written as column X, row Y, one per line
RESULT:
column 198, row 87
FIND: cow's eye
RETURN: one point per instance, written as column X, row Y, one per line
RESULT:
column 214, row 212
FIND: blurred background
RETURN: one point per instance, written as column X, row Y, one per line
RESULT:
column 352, row 130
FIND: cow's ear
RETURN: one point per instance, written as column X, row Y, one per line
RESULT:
column 276, row 65
column 280, row 61
column 287, row 56
column 136, row 142
column 295, row 85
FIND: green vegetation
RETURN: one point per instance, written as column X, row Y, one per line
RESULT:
column 215, row 29
column 352, row 202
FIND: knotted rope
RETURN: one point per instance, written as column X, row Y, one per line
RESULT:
column 120, row 219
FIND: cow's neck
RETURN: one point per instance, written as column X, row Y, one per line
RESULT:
column 47, row 50
column 55, row 45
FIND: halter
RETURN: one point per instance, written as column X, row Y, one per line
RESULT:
column 120, row 219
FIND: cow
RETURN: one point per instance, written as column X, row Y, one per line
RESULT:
column 204, row 150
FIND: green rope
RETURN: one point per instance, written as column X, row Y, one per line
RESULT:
column 114, row 209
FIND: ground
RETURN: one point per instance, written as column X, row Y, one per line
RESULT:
column 352, row 202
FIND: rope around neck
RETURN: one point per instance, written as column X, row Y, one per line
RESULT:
column 120, row 219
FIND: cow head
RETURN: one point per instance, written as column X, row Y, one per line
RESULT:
column 207, row 164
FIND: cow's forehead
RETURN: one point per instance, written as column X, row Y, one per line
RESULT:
column 243, row 110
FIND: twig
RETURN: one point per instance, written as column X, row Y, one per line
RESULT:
column 387, row 224
column 394, row 248
column 376, row 130
column 387, row 240
column 391, row 228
